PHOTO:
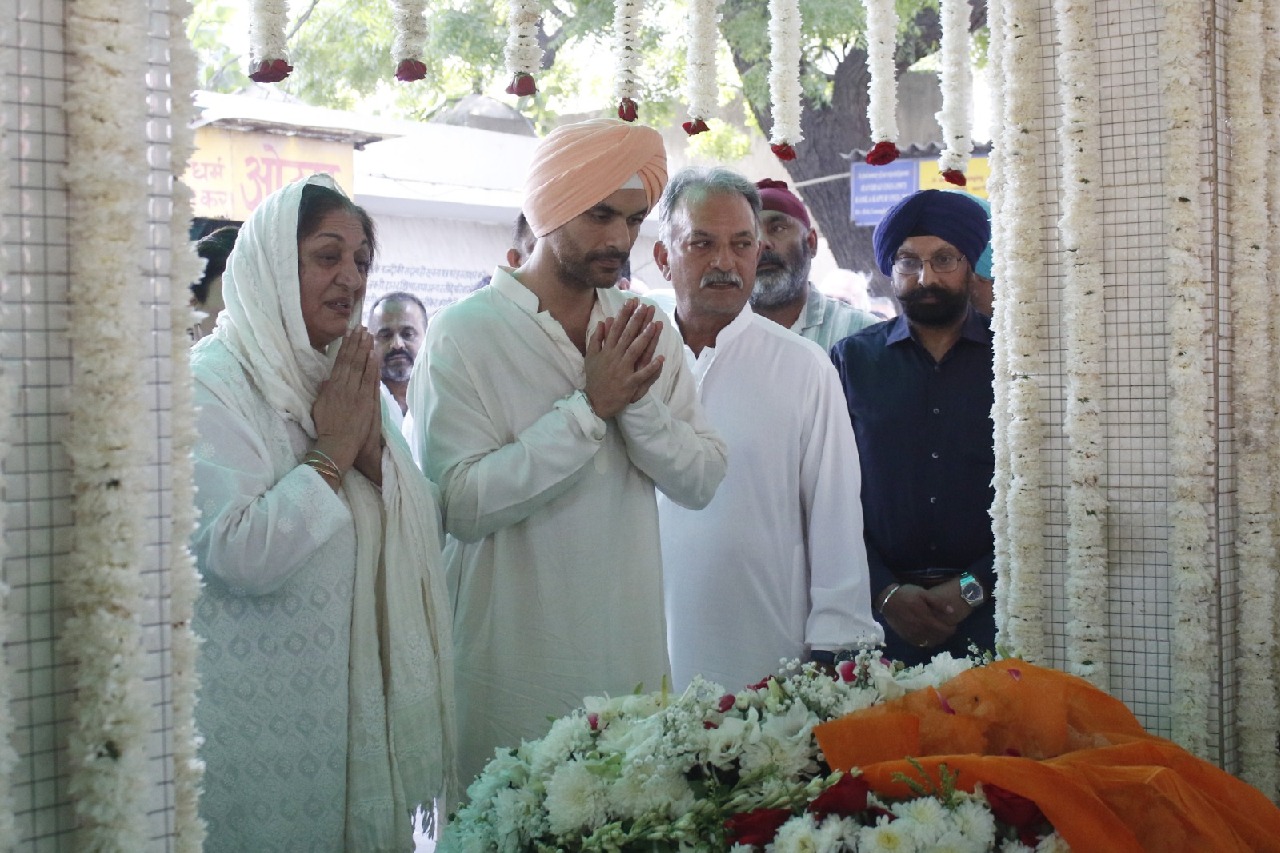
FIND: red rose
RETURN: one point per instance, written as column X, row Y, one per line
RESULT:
column 726, row 702
column 882, row 153
column 756, row 827
column 411, row 69
column 1013, row 809
column 593, row 720
column 760, row 685
column 627, row 110
column 955, row 176
column 846, row 798
column 693, row 128
column 783, row 151
column 271, row 71
column 522, row 85
column 847, row 670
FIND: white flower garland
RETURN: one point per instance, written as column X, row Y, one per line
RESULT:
column 1190, row 422
column 1085, row 356
column 626, row 84
column 784, row 76
column 956, row 117
column 106, row 113
column 996, row 48
column 523, row 54
column 882, row 103
column 700, row 58
column 409, row 17
column 1021, row 262
column 184, row 581
column 1255, row 397
column 268, row 58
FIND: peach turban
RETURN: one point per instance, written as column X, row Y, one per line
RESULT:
column 579, row 165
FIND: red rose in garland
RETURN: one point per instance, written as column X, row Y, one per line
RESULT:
column 783, row 151
column 627, row 110
column 411, row 69
column 882, row 153
column 522, row 85
column 271, row 71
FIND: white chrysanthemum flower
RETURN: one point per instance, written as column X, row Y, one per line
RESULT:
column 926, row 817
column 1013, row 845
column 1053, row 843
column 798, row 835
column 785, row 744
column 516, row 816
column 977, row 823
column 886, row 837
column 576, row 799
column 568, row 735
column 955, row 841
column 666, row 793
column 504, row 770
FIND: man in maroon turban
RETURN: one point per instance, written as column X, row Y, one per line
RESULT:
column 547, row 407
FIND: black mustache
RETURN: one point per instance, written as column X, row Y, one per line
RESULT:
column 620, row 257
column 771, row 258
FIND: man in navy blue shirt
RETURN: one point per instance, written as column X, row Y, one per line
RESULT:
column 919, row 389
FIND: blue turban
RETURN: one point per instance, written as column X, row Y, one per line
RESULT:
column 955, row 217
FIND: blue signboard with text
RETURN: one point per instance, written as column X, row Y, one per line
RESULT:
column 878, row 188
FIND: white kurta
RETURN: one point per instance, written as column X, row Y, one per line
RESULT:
column 277, row 549
column 553, row 556
column 775, row 564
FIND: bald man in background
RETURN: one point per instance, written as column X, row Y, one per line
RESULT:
column 547, row 408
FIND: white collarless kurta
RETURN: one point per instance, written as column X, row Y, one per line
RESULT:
column 553, row 556
column 775, row 564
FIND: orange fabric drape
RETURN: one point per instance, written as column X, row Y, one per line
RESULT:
column 1104, row 783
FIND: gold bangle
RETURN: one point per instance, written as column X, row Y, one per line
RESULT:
column 323, row 456
column 325, row 468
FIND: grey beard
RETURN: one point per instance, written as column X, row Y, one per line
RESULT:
column 778, row 291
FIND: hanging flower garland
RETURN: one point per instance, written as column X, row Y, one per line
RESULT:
column 1021, row 262
column 267, row 56
column 1255, row 398
column 626, row 86
column 882, row 104
column 184, row 581
column 106, row 114
column 1194, row 643
column 955, row 117
column 700, row 57
column 523, row 54
column 1084, row 360
column 996, row 49
column 784, row 77
column 409, row 17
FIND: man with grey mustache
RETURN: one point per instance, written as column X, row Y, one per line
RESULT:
column 774, row 567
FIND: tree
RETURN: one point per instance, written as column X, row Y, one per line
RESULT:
column 341, row 53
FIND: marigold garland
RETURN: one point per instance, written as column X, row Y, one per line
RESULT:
column 882, row 103
column 184, row 582
column 956, row 117
column 106, row 115
column 1088, row 635
column 784, row 77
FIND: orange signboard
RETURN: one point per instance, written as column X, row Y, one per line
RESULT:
column 232, row 171
column 975, row 176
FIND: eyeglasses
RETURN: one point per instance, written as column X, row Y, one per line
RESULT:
column 943, row 262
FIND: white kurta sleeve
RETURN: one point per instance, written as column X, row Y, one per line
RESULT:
column 669, row 437
column 831, row 493
column 255, row 531
column 490, row 480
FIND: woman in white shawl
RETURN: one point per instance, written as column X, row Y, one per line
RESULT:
column 326, row 676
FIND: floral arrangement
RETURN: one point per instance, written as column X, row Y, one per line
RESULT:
column 1255, row 397
column 882, row 106
column 784, row 77
column 1087, row 587
column 626, row 86
column 700, row 58
column 955, row 118
column 107, row 184
column 411, row 39
column 267, row 57
column 184, row 581
column 710, row 770
column 523, row 53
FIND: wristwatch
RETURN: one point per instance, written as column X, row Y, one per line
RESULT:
column 971, row 591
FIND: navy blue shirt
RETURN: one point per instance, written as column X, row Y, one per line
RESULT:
column 925, row 440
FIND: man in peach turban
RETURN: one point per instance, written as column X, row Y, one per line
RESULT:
column 547, row 407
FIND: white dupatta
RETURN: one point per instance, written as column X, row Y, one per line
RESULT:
column 401, row 724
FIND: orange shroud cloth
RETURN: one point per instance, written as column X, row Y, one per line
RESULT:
column 1104, row 783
